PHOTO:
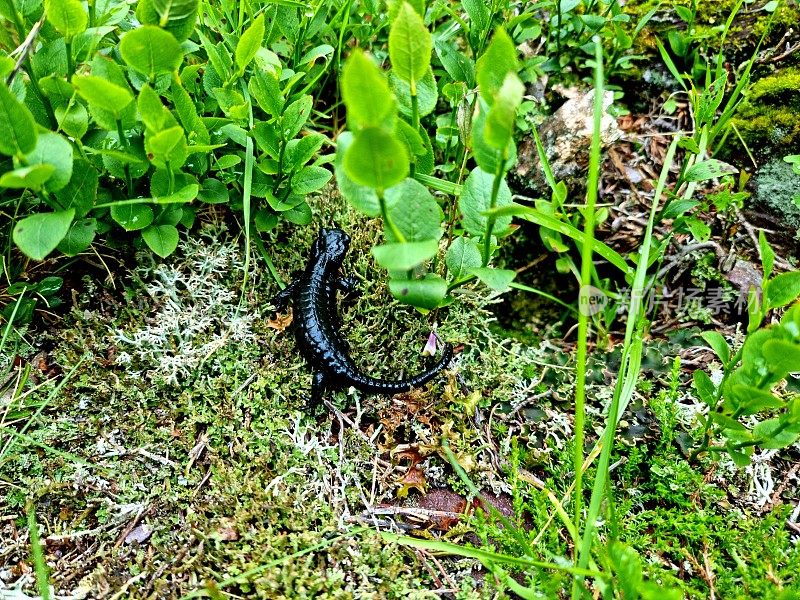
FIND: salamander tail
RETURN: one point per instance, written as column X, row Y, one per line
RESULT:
column 387, row 386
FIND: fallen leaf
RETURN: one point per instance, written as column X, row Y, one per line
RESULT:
column 281, row 321
column 414, row 478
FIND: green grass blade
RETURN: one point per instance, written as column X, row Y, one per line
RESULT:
column 587, row 252
column 485, row 556
column 629, row 366
column 37, row 556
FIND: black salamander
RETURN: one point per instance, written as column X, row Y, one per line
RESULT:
column 316, row 324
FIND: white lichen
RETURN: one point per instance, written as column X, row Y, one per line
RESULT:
column 194, row 311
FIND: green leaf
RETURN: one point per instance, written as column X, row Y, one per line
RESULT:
column 751, row 400
column 698, row 228
column 102, row 93
column 299, row 215
column 414, row 212
column 151, row 50
column 489, row 157
column 706, row 390
column 310, row 179
column 462, row 255
column 363, row 198
column 79, row 237
column 410, row 46
column 73, row 119
column 162, row 239
column 33, row 177
column 542, row 219
column 412, row 139
column 628, row 567
column 499, row 59
column 427, row 94
column 265, row 220
column 151, row 110
column 50, row 285
column 718, row 344
column 295, row 116
column 299, row 151
column 283, row 204
column 176, row 16
column 264, row 87
column 366, row 94
column 767, row 254
column 168, row 146
column 67, row 17
column 186, row 194
column 496, row 279
column 170, row 215
column 132, row 217
column 727, row 422
column 187, row 114
column 170, row 11
column 458, row 66
column 38, row 235
column 403, row 257
column 479, row 14
column 782, row 356
column 53, row 149
column 773, row 435
column 476, row 198
column 741, row 458
column 499, row 128
column 376, row 159
column 213, row 191
column 17, row 127
column 425, row 294
column 709, row 169
column 249, row 43
column 268, row 138
column 313, row 55
column 782, row 289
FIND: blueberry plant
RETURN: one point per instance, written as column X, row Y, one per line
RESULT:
column 117, row 123
column 385, row 159
column 744, row 412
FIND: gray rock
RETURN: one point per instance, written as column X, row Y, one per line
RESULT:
column 566, row 136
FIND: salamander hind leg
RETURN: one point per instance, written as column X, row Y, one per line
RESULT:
column 317, row 390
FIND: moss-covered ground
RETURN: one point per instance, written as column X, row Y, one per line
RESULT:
column 160, row 440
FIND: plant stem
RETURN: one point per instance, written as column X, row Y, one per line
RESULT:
column 126, row 167
column 70, row 65
column 396, row 233
column 587, row 251
column 709, row 423
column 51, row 116
column 487, row 236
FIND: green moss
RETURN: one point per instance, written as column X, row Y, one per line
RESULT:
column 769, row 118
column 746, row 30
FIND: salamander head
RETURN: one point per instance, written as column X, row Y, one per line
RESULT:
column 333, row 243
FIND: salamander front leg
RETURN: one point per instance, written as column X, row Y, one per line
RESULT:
column 347, row 285
column 281, row 300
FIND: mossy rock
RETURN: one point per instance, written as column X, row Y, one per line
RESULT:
column 746, row 30
column 777, row 188
column 769, row 118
